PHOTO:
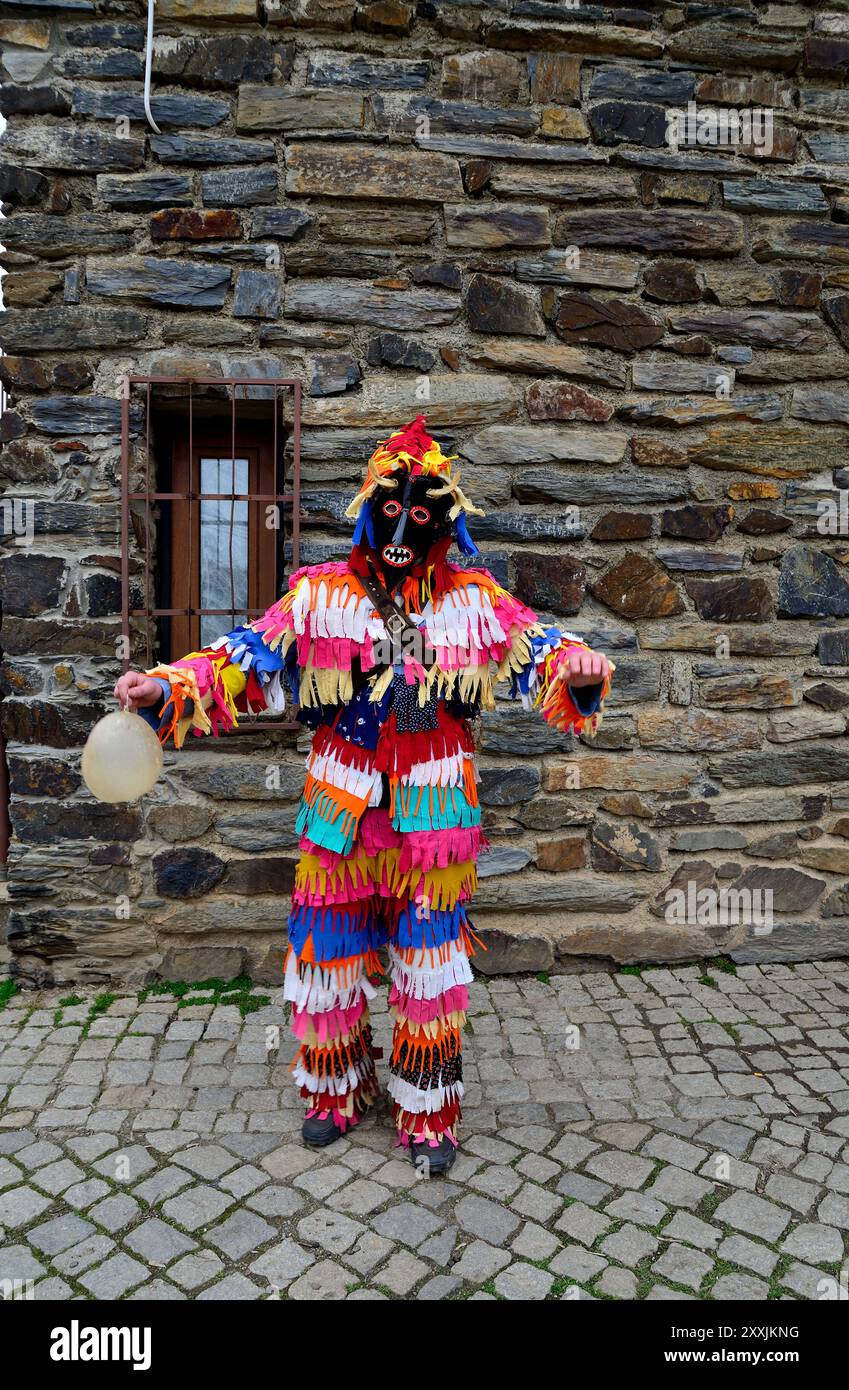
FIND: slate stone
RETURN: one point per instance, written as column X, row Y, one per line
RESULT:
column 145, row 191
column 488, row 226
column 221, row 62
column 106, row 35
column 833, row 647
column 342, row 261
column 171, row 109
column 39, row 822
column 551, row 485
column 817, row 761
column 239, row 188
column 773, row 452
column 176, row 224
column 484, row 76
column 58, row 237
column 270, row 874
column 406, row 114
column 20, row 186
column 507, row 786
column 731, row 600
column 204, row 150
column 551, row 400
column 345, row 170
column 363, row 72
column 672, row 282
column 723, row 46
column 73, row 149
column 638, row 588
column 810, row 584
column 682, row 233
column 284, row 224
column 760, row 522
column 824, row 242
column 608, row 323
column 30, row 100
column 553, row 583
column 122, row 65
column 187, row 873
column 622, row 526
column 526, row 524
column 257, row 294
column 760, row 327
column 169, row 283
column 773, row 195
column 351, row 302
column 392, row 350
column 696, row 522
column 334, row 373
column 633, row 84
column 495, row 305
column 70, row 415
column 631, row 121
column 443, row 273
column 617, row 847
column 31, row 584
column 276, row 108
column 792, row 890
column 523, row 444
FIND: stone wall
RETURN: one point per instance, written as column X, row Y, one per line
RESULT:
column 639, row 351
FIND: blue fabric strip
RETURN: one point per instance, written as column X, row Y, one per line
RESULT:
column 337, row 932
column 417, row 930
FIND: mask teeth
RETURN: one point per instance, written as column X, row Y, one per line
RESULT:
column 397, row 554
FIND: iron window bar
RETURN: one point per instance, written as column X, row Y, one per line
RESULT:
column 148, row 495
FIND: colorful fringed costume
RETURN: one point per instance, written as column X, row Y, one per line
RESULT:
column 390, row 822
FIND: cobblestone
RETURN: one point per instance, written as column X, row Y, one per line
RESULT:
column 652, row 1169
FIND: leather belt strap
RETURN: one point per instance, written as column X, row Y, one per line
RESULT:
column 395, row 622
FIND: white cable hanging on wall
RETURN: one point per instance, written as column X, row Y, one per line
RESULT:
column 148, row 64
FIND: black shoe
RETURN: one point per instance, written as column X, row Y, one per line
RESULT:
column 317, row 1133
column 433, row 1161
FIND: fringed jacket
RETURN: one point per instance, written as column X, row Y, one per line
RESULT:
column 390, row 733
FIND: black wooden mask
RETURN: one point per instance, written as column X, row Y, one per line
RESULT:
column 406, row 523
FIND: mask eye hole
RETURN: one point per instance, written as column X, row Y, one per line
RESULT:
column 420, row 515
column 392, row 508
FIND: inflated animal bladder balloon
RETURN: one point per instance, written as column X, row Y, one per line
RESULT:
column 122, row 757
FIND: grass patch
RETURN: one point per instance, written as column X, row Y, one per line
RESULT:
column 723, row 963
column 236, row 992
column 631, row 970
column 708, row 980
column 543, row 977
column 98, row 1007
column 8, row 988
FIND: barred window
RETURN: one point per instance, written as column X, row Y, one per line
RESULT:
column 210, row 494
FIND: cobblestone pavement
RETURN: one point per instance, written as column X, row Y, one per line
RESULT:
column 695, row 1144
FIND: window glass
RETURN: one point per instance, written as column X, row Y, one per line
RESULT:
column 223, row 475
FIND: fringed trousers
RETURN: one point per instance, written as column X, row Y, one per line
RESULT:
column 344, row 908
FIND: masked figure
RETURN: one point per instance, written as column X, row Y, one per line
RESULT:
column 390, row 655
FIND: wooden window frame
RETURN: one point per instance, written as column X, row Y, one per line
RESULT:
column 255, row 444
column 137, row 460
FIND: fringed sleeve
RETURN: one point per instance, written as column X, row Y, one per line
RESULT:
column 207, row 690
column 564, row 706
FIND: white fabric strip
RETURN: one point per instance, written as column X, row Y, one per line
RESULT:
column 418, row 1102
column 426, row 981
column 319, row 989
